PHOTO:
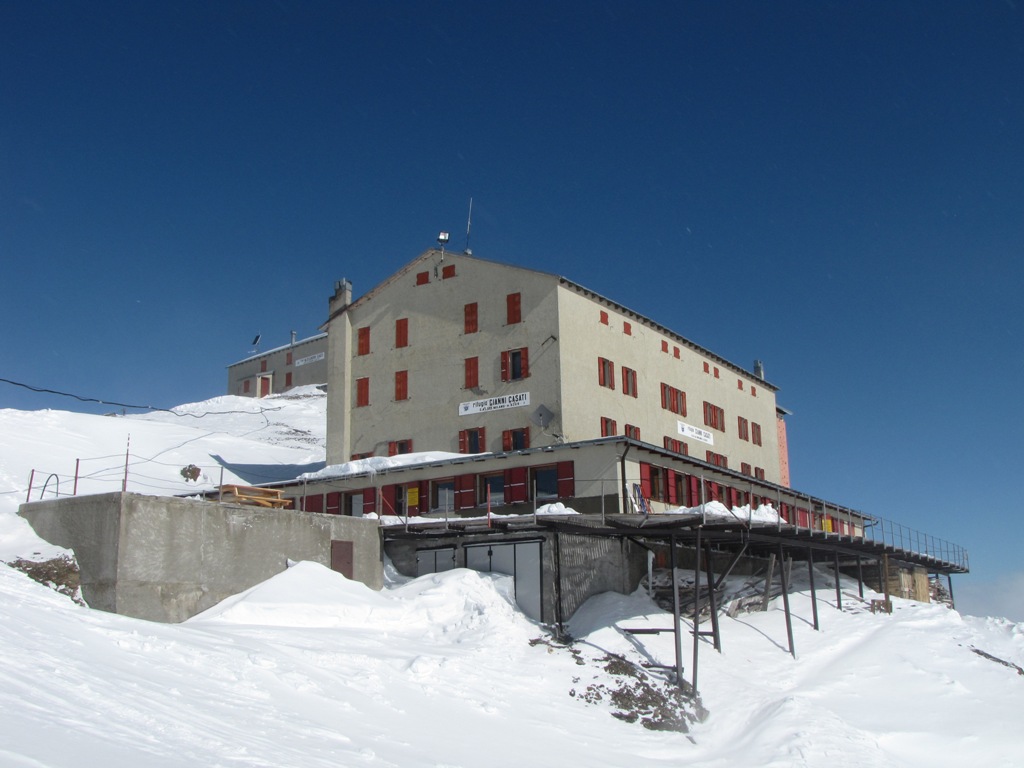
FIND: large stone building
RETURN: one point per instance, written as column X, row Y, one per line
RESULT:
column 455, row 353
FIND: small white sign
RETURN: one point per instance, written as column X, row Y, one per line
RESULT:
column 310, row 358
column 695, row 433
column 494, row 404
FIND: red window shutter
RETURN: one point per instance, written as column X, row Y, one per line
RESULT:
column 627, row 329
column 682, row 403
column 506, row 440
column 625, row 379
column 362, row 392
column 504, row 366
column 402, row 332
column 470, row 318
column 392, row 447
column 516, row 488
column 364, row 341
column 387, row 500
column 513, row 307
column 288, row 379
column 526, row 437
column 645, row 480
column 369, row 500
column 525, row 358
column 566, row 479
column 604, row 317
column 448, row 270
column 472, row 372
column 664, row 346
column 422, row 278
column 245, row 385
column 313, row 503
column 673, row 495
column 463, row 441
column 465, row 491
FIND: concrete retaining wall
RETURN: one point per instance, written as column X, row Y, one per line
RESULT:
column 167, row 559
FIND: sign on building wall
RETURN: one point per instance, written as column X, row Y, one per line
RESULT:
column 494, row 404
column 311, row 358
column 695, row 433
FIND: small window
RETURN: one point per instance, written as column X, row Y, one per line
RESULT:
column 402, row 332
column 676, row 445
column 608, row 427
column 263, row 366
column 632, row 432
column 605, row 373
column 604, row 317
column 472, row 440
column 716, row 372
column 401, row 385
column 745, row 468
column 759, row 473
column 447, row 271
column 755, row 433
column 714, row 416
column 363, row 341
column 742, row 428
column 288, row 359
column 718, row 460
column 245, row 385
column 664, row 346
column 362, row 392
column 675, row 352
column 514, row 364
column 470, row 318
column 492, row 489
column 442, row 495
column 673, row 399
column 628, row 381
column 515, row 439
column 513, row 309
column 707, row 368
column 422, row 278
column 753, row 391
column 627, row 328
column 739, row 384
column 544, row 482
column 288, row 380
column 471, row 373
column 398, row 447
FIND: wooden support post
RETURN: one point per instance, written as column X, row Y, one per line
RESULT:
column 785, row 602
column 814, row 594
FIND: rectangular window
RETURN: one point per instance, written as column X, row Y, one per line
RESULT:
column 654, row 482
column 632, row 432
column 739, row 384
column 742, row 428
column 664, row 346
column 472, row 373
column 245, row 385
column 515, row 364
column 714, row 416
column 753, row 391
column 745, row 468
column 627, row 329
column 402, row 332
column 362, row 392
column 673, row 399
column 492, row 489
column 472, row 440
column 288, row 359
column 513, row 309
column 442, row 494
column 606, row 373
column 363, row 345
column 759, row 473
column 718, row 460
column 608, row 427
column 628, row 381
column 263, row 366
column 716, row 371
column 401, row 385
column 675, row 352
column 469, row 318
column 515, row 439
column 398, row 447
column 676, row 445
column 448, row 270
column 422, row 278
column 707, row 368
column 544, row 480
column 604, row 317
column 755, row 433
column 288, row 379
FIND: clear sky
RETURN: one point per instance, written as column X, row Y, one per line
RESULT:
column 836, row 189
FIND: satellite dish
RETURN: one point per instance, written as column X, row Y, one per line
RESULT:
column 257, row 339
column 542, row 416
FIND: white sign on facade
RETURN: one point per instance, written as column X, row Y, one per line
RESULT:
column 494, row 404
column 695, row 433
column 311, row 358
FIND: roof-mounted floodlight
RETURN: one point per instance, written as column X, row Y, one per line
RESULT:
column 442, row 238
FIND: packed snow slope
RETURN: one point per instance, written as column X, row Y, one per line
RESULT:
column 309, row 669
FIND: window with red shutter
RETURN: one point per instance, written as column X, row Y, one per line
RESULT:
column 608, row 427
column 627, row 329
column 755, row 433
column 288, row 379
column 363, row 343
column 401, row 385
column 469, row 313
column 742, row 428
column 447, row 271
column 628, row 381
column 402, row 332
column 513, row 309
column 471, row 367
column 515, row 364
column 605, row 373
column 362, row 392
column 422, row 278
column 604, row 317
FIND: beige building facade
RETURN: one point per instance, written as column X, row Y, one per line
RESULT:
column 455, row 353
column 300, row 363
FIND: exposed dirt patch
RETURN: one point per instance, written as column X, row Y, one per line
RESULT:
column 59, row 574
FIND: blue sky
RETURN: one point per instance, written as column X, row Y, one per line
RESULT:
column 836, row 189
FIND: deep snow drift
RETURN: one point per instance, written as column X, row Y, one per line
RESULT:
column 309, row 669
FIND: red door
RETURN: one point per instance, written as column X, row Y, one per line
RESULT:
column 341, row 558
column 264, row 386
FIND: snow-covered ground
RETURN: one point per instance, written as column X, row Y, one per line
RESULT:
column 309, row 669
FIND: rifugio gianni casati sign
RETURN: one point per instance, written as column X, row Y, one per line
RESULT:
column 499, row 403
column 695, row 433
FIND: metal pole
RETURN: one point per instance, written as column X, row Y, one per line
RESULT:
column 74, row 489
column 127, row 449
column 839, row 592
column 31, row 478
column 676, row 619
column 696, row 608
column 860, row 578
column 785, row 599
column 814, row 594
column 712, row 600
column 949, row 581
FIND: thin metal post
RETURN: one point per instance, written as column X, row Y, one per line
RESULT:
column 949, row 582
column 74, row 488
column 31, row 478
column 860, row 578
column 785, row 600
column 713, row 601
column 676, row 619
column 814, row 594
column 696, row 607
column 127, row 450
column 839, row 592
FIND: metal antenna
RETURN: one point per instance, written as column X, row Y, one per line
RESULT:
column 469, row 225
